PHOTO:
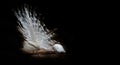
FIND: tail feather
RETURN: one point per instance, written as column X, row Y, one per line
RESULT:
column 33, row 30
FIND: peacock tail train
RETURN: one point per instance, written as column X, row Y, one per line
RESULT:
column 35, row 32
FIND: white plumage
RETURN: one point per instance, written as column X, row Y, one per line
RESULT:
column 59, row 48
column 36, row 35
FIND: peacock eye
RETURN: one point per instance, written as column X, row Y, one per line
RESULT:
column 38, row 39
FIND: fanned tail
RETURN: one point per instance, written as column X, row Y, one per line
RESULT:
column 35, row 33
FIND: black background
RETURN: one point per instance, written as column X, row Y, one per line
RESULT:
column 74, row 21
column 60, row 15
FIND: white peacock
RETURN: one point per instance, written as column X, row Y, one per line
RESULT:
column 37, row 37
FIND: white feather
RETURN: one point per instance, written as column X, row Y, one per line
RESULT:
column 58, row 48
column 35, row 33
